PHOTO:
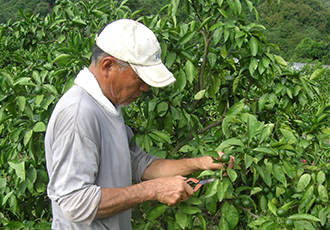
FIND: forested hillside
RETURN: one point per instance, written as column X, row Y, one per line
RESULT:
column 9, row 9
column 300, row 28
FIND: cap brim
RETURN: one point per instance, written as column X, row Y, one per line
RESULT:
column 155, row 75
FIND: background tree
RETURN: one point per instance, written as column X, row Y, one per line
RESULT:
column 289, row 22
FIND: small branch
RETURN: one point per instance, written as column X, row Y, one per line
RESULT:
column 191, row 136
column 248, row 211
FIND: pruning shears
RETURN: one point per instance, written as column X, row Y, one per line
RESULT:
column 199, row 183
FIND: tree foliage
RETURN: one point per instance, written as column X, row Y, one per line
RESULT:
column 233, row 93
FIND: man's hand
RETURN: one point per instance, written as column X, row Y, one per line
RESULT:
column 207, row 163
column 171, row 190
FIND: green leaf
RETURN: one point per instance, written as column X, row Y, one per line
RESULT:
column 306, row 199
column 248, row 160
column 22, row 81
column 202, row 221
column 27, row 137
column 50, row 88
column 264, row 173
column 216, row 25
column 262, row 101
column 320, row 177
column 253, row 44
column 232, row 174
column 15, row 225
column 7, row 196
column 19, row 168
column 255, row 190
column 323, row 193
column 279, row 60
column 317, row 73
column 62, row 57
column 212, row 58
column 79, row 21
column 211, row 153
column 190, row 70
column 206, row 173
column 61, row 38
column 253, row 66
column 200, row 94
column 303, row 216
column 272, row 207
column 39, row 127
column 303, row 182
column 251, row 126
column 181, row 81
column 324, row 131
column 42, row 225
column 230, row 213
column 223, row 224
column 222, row 188
column 290, row 138
column 279, row 174
column 181, row 218
column 7, row 77
column 228, row 143
column 205, row 22
column 307, row 88
column 156, row 211
column 212, row 189
column 186, row 38
column 266, row 150
column 162, row 108
column 186, row 208
column 21, row 103
column 162, row 135
column 235, row 109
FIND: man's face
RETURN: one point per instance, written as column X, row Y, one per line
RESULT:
column 122, row 87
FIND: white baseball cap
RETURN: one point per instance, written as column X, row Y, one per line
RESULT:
column 133, row 42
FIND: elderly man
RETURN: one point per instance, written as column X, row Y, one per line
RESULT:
column 91, row 160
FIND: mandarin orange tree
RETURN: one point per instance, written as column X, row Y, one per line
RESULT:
column 231, row 94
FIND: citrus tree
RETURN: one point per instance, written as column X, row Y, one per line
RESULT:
column 231, row 94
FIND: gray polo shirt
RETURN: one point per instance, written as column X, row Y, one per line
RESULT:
column 89, row 148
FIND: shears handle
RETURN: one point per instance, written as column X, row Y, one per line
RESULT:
column 196, row 181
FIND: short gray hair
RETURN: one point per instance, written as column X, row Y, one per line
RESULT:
column 98, row 53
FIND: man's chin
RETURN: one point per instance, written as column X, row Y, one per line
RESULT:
column 128, row 101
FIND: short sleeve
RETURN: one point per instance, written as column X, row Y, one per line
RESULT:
column 140, row 160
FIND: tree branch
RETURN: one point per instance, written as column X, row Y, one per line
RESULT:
column 191, row 136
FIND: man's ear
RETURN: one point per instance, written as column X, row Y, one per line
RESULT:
column 107, row 63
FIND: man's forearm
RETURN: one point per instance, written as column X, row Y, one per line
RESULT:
column 117, row 200
column 169, row 190
column 167, row 167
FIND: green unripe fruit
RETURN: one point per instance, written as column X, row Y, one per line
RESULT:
column 245, row 140
column 141, row 129
column 225, row 158
column 189, row 109
column 288, row 223
column 237, row 202
column 38, row 90
column 318, row 200
column 246, row 203
column 217, row 174
column 266, row 190
column 280, row 212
